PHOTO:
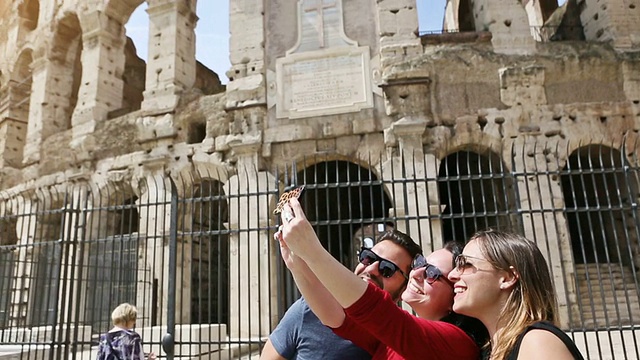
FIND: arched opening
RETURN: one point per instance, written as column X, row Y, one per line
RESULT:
column 29, row 10
column 212, row 46
column 47, row 261
column 598, row 197
column 477, row 193
column 135, row 66
column 113, row 258
column 459, row 16
column 466, row 20
column 554, row 20
column 209, row 254
column 599, row 194
column 67, row 54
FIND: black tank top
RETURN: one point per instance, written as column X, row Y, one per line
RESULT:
column 513, row 355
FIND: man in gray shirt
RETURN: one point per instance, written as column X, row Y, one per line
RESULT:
column 300, row 335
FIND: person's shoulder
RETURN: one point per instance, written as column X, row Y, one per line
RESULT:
column 544, row 340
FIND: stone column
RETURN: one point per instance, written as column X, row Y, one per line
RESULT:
column 46, row 109
column 12, row 135
column 541, row 204
column 247, row 84
column 415, row 199
column 103, row 58
column 398, row 29
column 171, row 68
column 154, row 208
column 26, row 230
column 74, row 258
column 617, row 21
column 253, row 290
column 508, row 23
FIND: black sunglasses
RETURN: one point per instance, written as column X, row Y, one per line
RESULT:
column 385, row 267
column 431, row 272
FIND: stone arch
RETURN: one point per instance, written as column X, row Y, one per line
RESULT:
column 66, row 54
column 112, row 252
column 598, row 195
column 47, row 256
column 29, row 11
column 135, row 66
column 459, row 16
column 467, row 180
column 121, row 10
column 204, row 211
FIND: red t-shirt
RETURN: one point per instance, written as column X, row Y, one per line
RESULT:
column 386, row 331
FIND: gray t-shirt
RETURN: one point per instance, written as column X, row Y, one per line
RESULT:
column 301, row 335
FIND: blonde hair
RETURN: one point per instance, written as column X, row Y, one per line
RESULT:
column 532, row 298
column 124, row 314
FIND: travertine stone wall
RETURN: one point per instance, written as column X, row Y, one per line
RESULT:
column 76, row 102
column 617, row 21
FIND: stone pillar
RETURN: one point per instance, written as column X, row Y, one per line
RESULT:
column 154, row 209
column 541, row 205
column 253, row 291
column 26, row 230
column 46, row 111
column 75, row 220
column 398, row 23
column 247, row 76
column 12, row 135
column 103, row 58
column 508, row 23
column 419, row 199
column 617, row 21
column 171, row 68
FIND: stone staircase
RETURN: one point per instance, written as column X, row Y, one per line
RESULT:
column 607, row 296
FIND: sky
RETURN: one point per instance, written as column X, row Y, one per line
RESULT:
column 212, row 30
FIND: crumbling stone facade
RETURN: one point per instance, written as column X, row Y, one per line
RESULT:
column 344, row 78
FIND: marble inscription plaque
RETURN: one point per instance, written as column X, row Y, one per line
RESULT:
column 331, row 81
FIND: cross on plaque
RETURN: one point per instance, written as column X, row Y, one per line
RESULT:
column 319, row 7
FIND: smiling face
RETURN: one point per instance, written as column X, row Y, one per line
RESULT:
column 477, row 285
column 395, row 253
column 431, row 301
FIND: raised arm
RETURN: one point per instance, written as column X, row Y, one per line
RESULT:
column 320, row 300
column 340, row 282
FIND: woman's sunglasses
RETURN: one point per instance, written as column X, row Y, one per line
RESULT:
column 462, row 262
column 431, row 272
column 385, row 267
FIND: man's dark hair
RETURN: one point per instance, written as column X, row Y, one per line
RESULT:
column 472, row 326
column 402, row 239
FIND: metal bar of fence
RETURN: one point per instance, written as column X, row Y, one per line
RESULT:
column 105, row 249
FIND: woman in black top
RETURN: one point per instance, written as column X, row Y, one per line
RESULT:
column 503, row 280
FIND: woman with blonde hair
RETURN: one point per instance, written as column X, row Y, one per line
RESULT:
column 503, row 280
column 121, row 342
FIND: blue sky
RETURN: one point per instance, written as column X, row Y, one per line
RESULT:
column 212, row 30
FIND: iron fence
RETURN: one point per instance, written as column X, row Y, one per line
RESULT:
column 194, row 252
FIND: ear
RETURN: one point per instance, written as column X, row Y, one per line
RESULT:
column 509, row 279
